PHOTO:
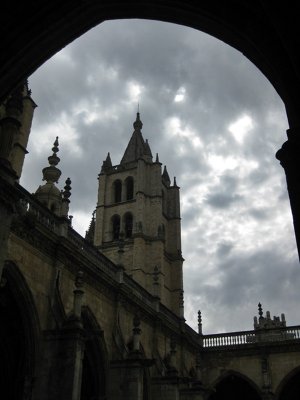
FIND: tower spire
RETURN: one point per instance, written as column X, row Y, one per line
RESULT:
column 137, row 147
column 138, row 123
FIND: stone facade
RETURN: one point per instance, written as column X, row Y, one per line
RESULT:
column 79, row 321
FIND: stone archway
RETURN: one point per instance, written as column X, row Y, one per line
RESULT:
column 259, row 30
column 95, row 361
column 265, row 33
column 19, row 332
column 289, row 388
column 234, row 386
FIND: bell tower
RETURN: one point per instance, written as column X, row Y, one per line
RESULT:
column 138, row 211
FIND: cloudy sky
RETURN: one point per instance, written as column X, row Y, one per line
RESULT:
column 215, row 121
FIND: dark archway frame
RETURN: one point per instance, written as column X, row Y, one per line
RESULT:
column 239, row 375
column 29, row 320
column 285, row 381
column 267, row 33
column 97, row 345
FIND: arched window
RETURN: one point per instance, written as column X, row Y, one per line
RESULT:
column 117, row 191
column 129, row 188
column 115, row 227
column 128, row 224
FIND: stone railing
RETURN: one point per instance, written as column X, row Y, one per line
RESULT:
column 29, row 205
column 250, row 337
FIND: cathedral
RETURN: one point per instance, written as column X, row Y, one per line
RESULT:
column 101, row 317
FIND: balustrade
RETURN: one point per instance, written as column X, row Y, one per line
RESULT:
column 250, row 337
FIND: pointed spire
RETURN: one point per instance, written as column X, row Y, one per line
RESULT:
column 137, row 147
column 147, row 149
column 89, row 235
column 137, row 123
column 107, row 164
column 174, row 182
column 157, row 159
column 165, row 176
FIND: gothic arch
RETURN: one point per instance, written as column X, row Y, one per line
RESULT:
column 115, row 227
column 128, row 224
column 289, row 387
column 117, row 191
column 235, row 386
column 19, row 332
column 129, row 187
column 35, row 34
column 95, row 360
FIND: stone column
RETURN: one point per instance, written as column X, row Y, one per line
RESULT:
column 8, row 200
column 165, row 388
column 60, row 371
column 289, row 157
column 9, row 129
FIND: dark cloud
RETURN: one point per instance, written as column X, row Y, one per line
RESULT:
column 195, row 93
column 222, row 200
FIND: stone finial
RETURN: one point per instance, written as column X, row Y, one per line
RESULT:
column 65, row 198
column 260, row 310
column 157, row 158
column 199, row 323
column 67, row 191
column 49, row 194
column 51, row 173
